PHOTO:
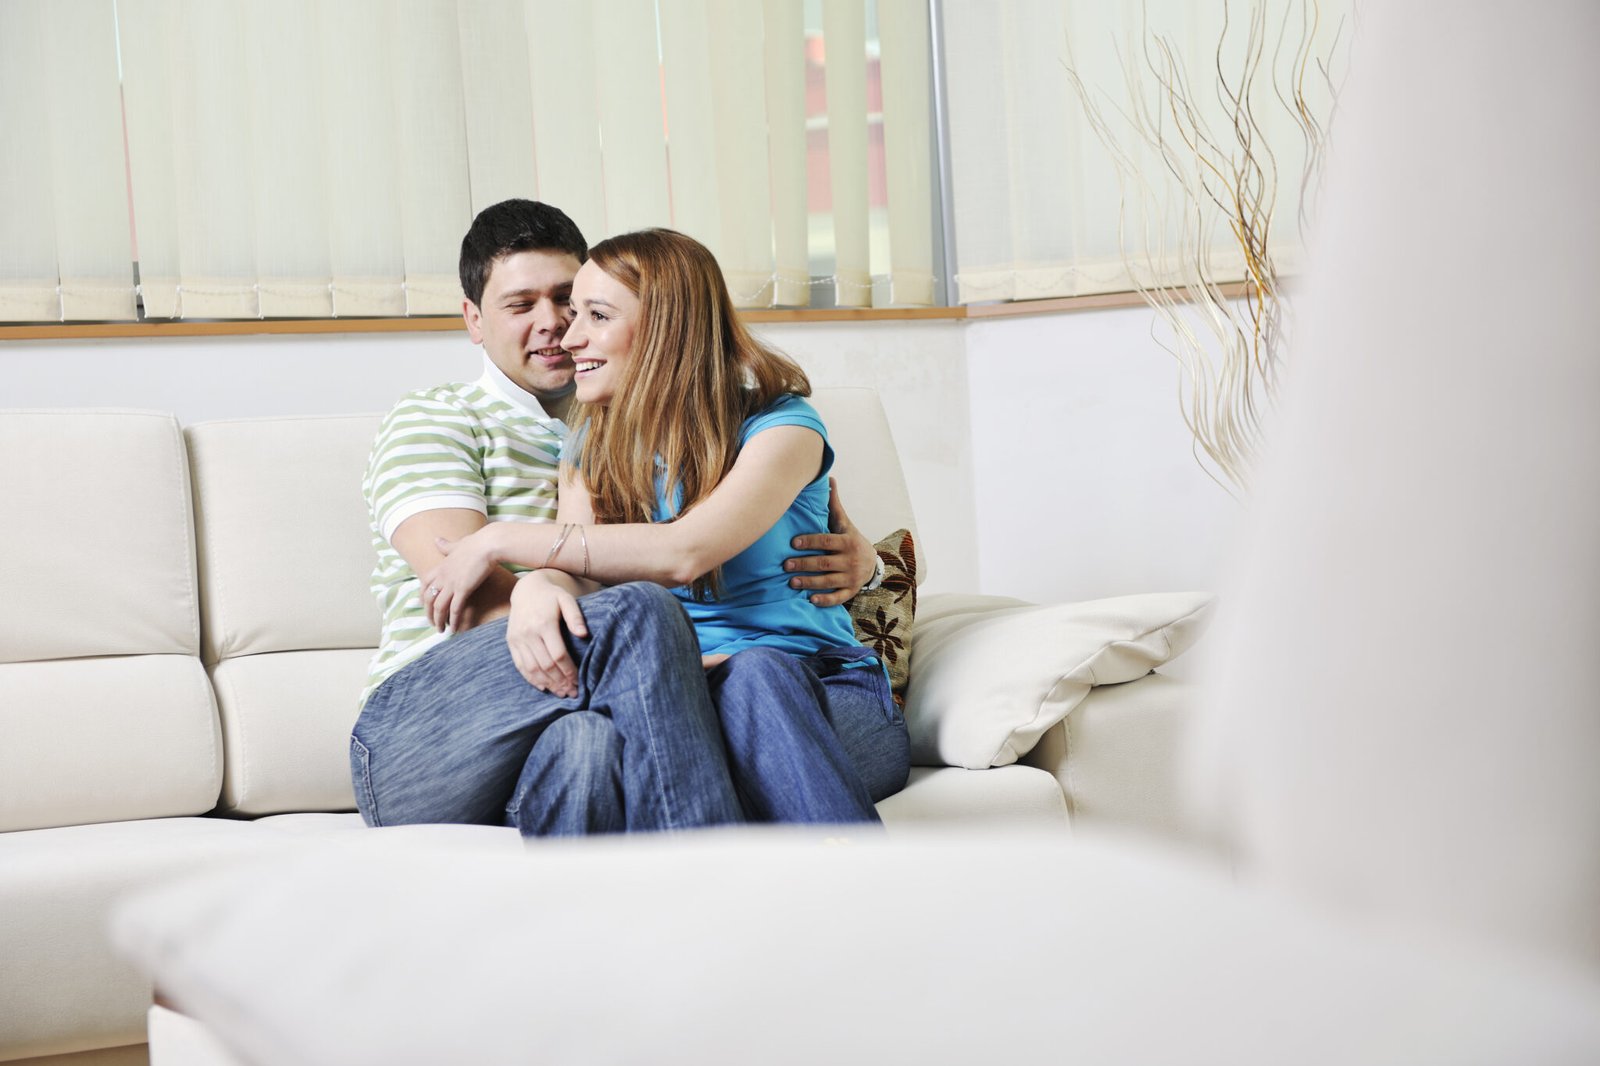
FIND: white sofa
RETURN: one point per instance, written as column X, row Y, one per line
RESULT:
column 189, row 623
column 1398, row 736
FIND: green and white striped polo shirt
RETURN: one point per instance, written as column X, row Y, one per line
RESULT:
column 487, row 446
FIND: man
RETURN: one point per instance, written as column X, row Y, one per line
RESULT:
column 449, row 730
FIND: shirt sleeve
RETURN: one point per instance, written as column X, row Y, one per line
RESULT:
column 426, row 457
column 790, row 410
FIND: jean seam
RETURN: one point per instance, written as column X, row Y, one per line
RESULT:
column 365, row 785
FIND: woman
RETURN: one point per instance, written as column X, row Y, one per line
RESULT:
column 693, row 463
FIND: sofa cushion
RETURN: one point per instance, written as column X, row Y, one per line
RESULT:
column 103, row 740
column 817, row 947
column 285, row 542
column 989, row 679
column 947, row 796
column 286, row 721
column 883, row 616
column 97, row 530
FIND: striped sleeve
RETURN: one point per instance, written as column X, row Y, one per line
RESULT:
column 428, row 454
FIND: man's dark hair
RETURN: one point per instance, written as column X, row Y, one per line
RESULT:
column 512, row 226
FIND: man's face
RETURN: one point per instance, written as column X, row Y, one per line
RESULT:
column 523, row 316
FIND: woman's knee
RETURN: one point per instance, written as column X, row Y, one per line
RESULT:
column 577, row 743
column 643, row 611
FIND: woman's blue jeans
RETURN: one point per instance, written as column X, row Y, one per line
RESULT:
column 813, row 738
column 460, row 736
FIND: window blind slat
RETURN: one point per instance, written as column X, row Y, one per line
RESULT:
column 28, row 268
column 784, row 54
column 364, row 235
column 691, row 127
column 497, row 100
column 904, row 51
column 288, row 152
column 633, row 150
column 88, row 176
column 566, row 116
column 745, row 249
column 435, row 201
column 844, row 32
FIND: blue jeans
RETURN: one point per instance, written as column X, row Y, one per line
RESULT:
column 460, row 736
column 810, row 738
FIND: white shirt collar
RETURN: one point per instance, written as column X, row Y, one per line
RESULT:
column 495, row 382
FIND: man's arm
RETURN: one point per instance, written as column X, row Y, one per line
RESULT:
column 416, row 541
column 848, row 561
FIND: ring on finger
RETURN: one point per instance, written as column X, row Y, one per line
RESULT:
column 433, row 590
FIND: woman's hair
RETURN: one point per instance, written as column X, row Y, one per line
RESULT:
column 696, row 374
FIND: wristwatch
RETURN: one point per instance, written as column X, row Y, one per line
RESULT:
column 878, row 574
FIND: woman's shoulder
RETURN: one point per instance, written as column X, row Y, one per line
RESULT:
column 789, row 409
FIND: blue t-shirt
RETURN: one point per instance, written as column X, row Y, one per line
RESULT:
column 757, row 607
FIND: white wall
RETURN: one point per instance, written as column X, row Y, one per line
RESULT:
column 1085, row 482
column 1045, row 455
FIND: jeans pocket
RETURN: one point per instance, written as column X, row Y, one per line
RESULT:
column 361, row 779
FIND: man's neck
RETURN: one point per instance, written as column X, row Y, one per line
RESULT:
column 498, row 383
column 556, row 406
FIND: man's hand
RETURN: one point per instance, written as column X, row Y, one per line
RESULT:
column 539, row 607
column 847, row 563
column 447, row 588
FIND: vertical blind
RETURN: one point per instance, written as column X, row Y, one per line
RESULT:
column 1038, row 207
column 65, row 248
column 289, row 158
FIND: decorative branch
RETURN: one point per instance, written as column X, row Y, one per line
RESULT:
column 1231, row 351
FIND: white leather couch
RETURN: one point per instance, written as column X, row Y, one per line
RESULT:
column 188, row 623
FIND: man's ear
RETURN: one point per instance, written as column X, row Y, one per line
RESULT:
column 473, row 317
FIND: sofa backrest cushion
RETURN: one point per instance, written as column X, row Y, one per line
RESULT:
column 290, row 623
column 105, row 713
column 285, row 549
column 871, row 482
column 90, row 494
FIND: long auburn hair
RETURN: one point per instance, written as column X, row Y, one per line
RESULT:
column 695, row 376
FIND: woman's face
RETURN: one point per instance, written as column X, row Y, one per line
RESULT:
column 605, row 318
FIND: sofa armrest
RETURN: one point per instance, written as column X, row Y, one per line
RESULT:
column 1118, row 755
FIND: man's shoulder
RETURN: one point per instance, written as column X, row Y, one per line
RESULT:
column 457, row 396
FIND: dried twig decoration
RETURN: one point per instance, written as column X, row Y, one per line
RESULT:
column 1211, row 173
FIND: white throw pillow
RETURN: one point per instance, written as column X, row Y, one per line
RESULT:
column 985, row 685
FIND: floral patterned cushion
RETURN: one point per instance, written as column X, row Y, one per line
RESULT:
column 883, row 615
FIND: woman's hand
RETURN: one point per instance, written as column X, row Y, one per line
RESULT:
column 538, row 609
column 446, row 588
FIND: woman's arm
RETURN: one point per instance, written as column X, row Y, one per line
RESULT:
column 772, row 468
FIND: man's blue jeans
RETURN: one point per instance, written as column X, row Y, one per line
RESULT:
column 460, row 736
column 813, row 738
